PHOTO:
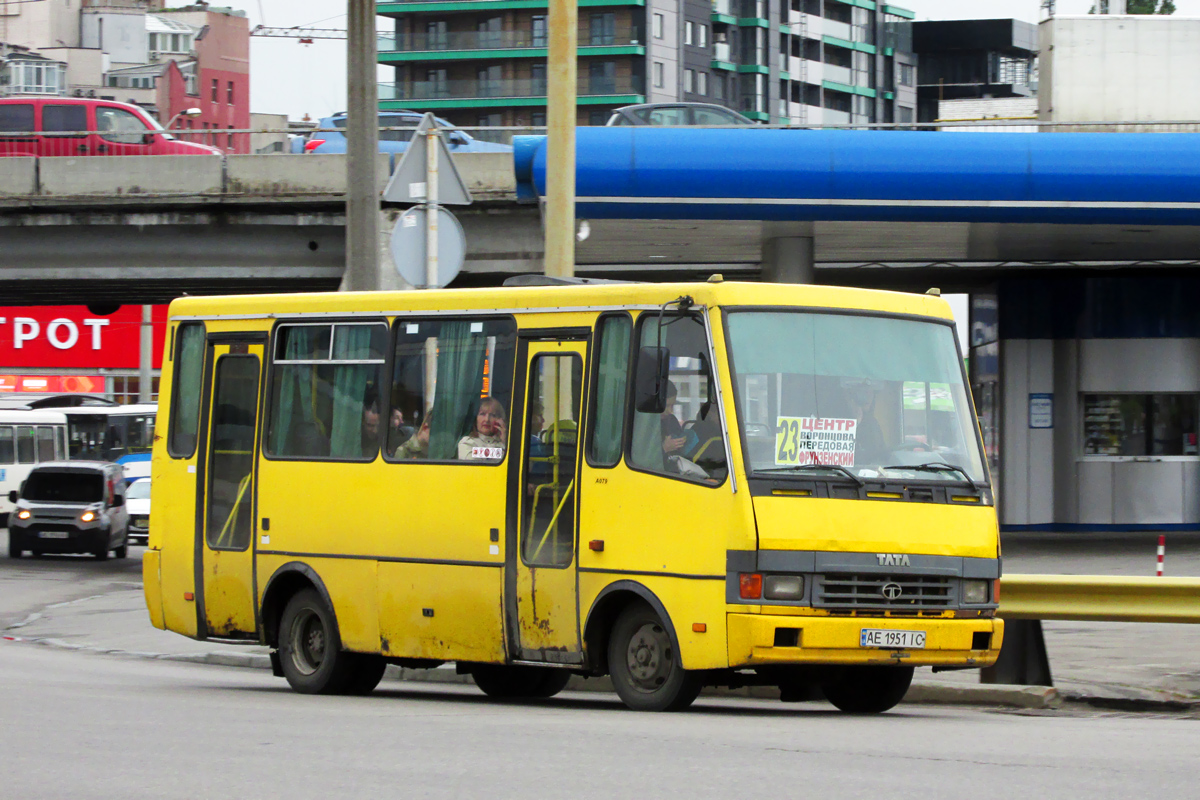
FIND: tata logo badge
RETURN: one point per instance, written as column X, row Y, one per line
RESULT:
column 891, row 591
column 893, row 560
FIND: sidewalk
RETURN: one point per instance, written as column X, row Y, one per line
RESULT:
column 1120, row 665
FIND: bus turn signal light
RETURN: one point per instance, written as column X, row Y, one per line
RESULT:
column 750, row 585
column 996, row 591
column 699, row 627
column 189, row 596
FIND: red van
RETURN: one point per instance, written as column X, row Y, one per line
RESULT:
column 76, row 126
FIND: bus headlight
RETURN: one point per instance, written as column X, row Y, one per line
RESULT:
column 24, row 513
column 87, row 516
column 975, row 592
column 783, row 587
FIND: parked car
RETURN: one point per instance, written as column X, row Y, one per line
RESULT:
column 677, row 114
column 70, row 507
column 334, row 141
column 79, row 126
column 137, row 503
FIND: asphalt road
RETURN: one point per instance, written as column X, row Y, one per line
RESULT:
column 91, row 726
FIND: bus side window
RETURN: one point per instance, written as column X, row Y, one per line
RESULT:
column 186, row 390
column 325, row 391
column 611, row 382
column 45, row 443
column 26, row 446
column 687, row 440
column 445, row 372
column 8, row 448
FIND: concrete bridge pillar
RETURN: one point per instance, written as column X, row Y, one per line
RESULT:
column 787, row 253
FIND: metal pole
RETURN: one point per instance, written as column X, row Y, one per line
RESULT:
column 362, row 143
column 560, row 156
column 431, row 208
column 146, row 357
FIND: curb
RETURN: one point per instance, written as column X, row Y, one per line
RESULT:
column 1027, row 697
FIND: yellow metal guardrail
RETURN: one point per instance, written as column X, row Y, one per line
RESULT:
column 1100, row 598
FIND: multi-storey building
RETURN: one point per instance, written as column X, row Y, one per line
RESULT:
column 483, row 62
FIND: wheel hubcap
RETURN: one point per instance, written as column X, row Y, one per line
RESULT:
column 649, row 657
column 308, row 643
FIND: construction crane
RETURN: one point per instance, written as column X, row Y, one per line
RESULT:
column 303, row 35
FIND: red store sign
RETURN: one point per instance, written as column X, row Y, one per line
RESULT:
column 71, row 337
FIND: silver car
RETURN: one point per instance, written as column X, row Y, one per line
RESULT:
column 70, row 507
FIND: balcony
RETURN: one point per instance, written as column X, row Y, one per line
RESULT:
column 477, row 44
column 836, row 74
column 505, row 91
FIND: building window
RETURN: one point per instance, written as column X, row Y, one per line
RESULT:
column 35, row 77
column 538, row 119
column 436, row 82
column 489, row 80
column 598, row 119
column 658, row 26
column 689, row 81
column 904, row 114
column 1140, row 424
column 539, row 31
column 688, row 31
column 658, row 75
column 702, row 83
column 537, row 80
column 907, row 74
column 229, row 93
column 602, row 28
column 718, row 87
column 216, row 92
column 491, row 32
column 702, row 41
column 436, row 37
column 602, row 77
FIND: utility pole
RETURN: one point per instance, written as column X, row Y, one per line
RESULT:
column 560, row 155
column 362, row 144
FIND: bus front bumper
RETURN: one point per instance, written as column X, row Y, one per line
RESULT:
column 760, row 639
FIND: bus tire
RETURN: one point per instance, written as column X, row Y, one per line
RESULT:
column 644, row 665
column 868, row 690
column 512, row 683
column 367, row 673
column 309, row 648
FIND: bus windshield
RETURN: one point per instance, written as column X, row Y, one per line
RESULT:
column 862, row 396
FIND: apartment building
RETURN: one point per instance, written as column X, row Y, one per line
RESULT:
column 483, row 62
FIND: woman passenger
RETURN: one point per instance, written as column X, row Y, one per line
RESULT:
column 489, row 437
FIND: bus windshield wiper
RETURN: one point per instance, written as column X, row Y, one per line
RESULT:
column 937, row 467
column 808, row 467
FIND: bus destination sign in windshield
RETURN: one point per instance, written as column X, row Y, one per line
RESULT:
column 815, row 440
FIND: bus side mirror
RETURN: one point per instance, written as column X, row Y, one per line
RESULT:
column 650, row 380
column 12, row 496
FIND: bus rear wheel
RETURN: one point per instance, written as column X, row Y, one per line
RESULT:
column 644, row 665
column 519, row 682
column 309, row 650
column 868, row 690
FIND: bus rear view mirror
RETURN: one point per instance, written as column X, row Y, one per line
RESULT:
column 650, row 380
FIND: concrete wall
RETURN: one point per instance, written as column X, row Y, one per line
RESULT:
column 120, row 34
column 1109, row 68
column 664, row 51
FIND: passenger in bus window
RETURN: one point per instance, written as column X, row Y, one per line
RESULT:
column 870, row 447
column 399, row 430
column 417, row 445
column 489, row 435
column 370, row 423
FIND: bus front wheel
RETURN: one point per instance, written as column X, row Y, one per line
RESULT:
column 644, row 665
column 868, row 690
column 309, row 650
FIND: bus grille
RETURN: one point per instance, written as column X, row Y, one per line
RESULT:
column 885, row 591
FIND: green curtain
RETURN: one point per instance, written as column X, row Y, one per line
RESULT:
column 295, row 411
column 611, row 390
column 190, row 373
column 350, row 382
column 460, row 357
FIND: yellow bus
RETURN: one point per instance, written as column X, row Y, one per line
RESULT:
column 676, row 485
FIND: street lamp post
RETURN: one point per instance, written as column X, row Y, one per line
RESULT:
column 560, row 155
column 362, row 143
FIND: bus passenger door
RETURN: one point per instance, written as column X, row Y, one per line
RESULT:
column 225, row 530
column 541, row 563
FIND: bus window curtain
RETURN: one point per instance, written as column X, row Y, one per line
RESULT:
column 350, row 387
column 295, row 421
column 459, row 382
column 611, row 390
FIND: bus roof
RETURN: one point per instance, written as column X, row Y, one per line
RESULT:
column 20, row 416
column 527, row 299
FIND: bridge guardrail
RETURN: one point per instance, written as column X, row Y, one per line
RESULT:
column 1026, row 600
